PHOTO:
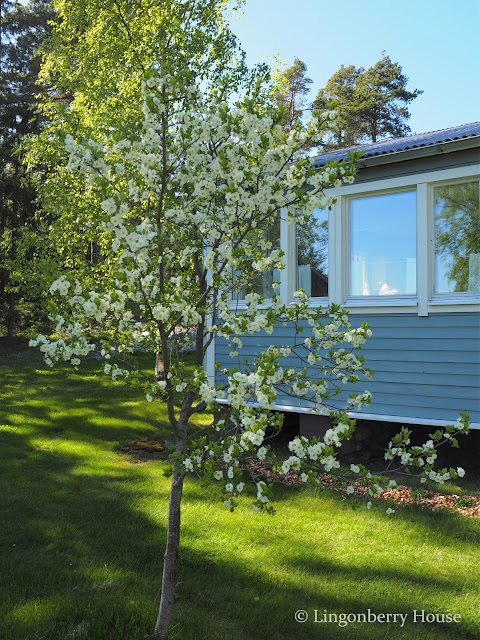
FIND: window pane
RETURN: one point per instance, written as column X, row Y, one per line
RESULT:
column 262, row 282
column 383, row 245
column 312, row 255
column 457, row 238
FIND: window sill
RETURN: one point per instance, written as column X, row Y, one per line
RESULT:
column 381, row 304
column 241, row 305
column 381, row 301
column 316, row 303
column 469, row 297
column 466, row 302
column 469, row 302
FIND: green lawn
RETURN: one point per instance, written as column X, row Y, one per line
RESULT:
column 83, row 530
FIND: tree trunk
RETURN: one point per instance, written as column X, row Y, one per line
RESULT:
column 171, row 558
column 159, row 366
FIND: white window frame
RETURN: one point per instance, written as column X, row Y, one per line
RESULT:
column 376, row 301
column 425, row 301
column 292, row 264
column 288, row 244
column 240, row 304
column 441, row 299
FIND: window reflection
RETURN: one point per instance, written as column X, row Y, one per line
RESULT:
column 261, row 283
column 383, row 245
column 457, row 238
column 312, row 255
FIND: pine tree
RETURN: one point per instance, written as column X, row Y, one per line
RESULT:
column 372, row 103
column 341, row 88
column 291, row 86
column 381, row 99
column 22, row 29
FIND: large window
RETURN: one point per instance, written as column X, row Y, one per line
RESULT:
column 312, row 255
column 408, row 242
column 457, row 237
column 383, row 244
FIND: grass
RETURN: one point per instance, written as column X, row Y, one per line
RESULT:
column 83, row 534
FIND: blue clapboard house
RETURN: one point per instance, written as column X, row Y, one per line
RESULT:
column 400, row 249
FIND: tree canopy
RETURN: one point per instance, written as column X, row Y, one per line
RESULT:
column 341, row 88
column 372, row 103
column 94, row 64
column 98, row 54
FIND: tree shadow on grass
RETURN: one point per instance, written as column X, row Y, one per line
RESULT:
column 84, row 404
column 254, row 607
column 83, row 549
column 59, row 402
column 83, row 560
column 80, row 559
column 251, row 600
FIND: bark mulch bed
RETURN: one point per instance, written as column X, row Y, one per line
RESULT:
column 141, row 451
column 433, row 500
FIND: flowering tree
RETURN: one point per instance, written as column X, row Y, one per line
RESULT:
column 183, row 210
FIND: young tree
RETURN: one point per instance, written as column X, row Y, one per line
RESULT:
column 372, row 103
column 178, row 185
column 182, row 209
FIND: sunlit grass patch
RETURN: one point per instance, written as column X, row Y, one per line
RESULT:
column 83, row 534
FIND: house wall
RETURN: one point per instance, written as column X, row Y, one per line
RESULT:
column 426, row 368
column 426, row 355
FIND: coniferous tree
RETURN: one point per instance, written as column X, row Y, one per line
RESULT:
column 381, row 100
column 291, row 87
column 372, row 103
column 341, row 87
column 22, row 29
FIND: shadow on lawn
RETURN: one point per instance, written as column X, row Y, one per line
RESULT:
column 83, row 561
column 83, row 554
column 79, row 559
column 87, row 563
column 252, row 607
column 86, row 404
column 450, row 527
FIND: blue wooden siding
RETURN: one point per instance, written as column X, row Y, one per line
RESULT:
column 425, row 367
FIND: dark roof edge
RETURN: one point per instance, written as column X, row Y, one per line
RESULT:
column 419, row 152
column 395, row 147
